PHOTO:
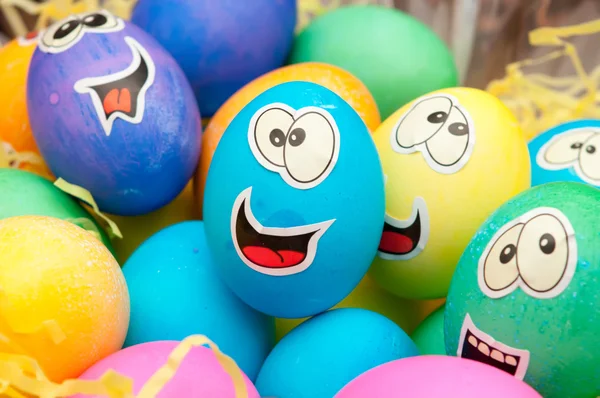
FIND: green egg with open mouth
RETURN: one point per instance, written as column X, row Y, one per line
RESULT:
column 525, row 297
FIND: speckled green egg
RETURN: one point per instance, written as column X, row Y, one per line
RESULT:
column 525, row 297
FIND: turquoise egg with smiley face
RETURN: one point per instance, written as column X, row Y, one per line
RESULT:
column 294, row 201
column 525, row 294
column 567, row 152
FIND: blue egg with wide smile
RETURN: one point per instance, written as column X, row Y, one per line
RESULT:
column 567, row 152
column 294, row 201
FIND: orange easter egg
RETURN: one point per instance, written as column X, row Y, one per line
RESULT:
column 343, row 83
column 17, row 146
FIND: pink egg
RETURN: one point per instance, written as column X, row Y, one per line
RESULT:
column 436, row 376
column 199, row 375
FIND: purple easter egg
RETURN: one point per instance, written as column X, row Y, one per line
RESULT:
column 112, row 112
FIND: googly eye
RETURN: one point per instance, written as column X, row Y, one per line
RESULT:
column 589, row 160
column 311, row 148
column 543, row 253
column 564, row 148
column 99, row 20
column 61, row 35
column 422, row 121
column 500, row 266
column 448, row 146
column 270, row 134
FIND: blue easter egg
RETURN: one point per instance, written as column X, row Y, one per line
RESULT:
column 112, row 112
column 323, row 354
column 175, row 292
column 294, row 201
column 221, row 45
column 567, row 152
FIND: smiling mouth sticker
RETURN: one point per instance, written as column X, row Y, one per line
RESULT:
column 122, row 94
column 273, row 251
column 478, row 346
column 405, row 239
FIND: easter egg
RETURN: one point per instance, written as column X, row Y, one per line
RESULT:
column 53, row 272
column 136, row 229
column 175, row 292
column 17, row 145
column 291, row 231
column 26, row 194
column 321, row 355
column 344, row 84
column 113, row 113
column 222, row 45
column 524, row 297
column 429, row 335
column 436, row 376
column 567, row 152
column 368, row 295
column 198, row 375
column 398, row 58
column 450, row 159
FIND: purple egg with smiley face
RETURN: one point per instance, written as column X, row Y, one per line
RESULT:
column 112, row 112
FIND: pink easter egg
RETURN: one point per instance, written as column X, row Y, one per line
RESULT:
column 436, row 376
column 199, row 375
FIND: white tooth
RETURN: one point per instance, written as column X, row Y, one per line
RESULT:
column 497, row 355
column 510, row 360
column 473, row 341
column 484, row 349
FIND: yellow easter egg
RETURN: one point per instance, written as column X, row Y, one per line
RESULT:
column 407, row 314
column 63, row 297
column 450, row 159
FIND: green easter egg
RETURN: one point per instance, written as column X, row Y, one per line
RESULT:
column 396, row 56
column 429, row 335
column 524, row 297
column 25, row 194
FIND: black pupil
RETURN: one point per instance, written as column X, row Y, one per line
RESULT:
column 65, row 29
column 547, row 243
column 437, row 117
column 576, row 145
column 590, row 149
column 277, row 137
column 458, row 129
column 508, row 253
column 297, row 136
column 94, row 20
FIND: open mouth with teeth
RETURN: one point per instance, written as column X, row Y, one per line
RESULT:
column 273, row 250
column 405, row 239
column 121, row 94
column 481, row 347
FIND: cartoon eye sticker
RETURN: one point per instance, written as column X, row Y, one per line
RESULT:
column 536, row 252
column 8, row 156
column 302, row 146
column 441, row 129
column 578, row 149
column 66, row 33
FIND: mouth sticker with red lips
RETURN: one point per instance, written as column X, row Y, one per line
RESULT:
column 29, row 39
column 405, row 239
column 273, row 251
column 122, row 94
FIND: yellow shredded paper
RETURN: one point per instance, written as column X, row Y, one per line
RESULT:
column 85, row 196
column 541, row 102
column 21, row 375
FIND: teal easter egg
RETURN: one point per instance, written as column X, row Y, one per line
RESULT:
column 321, row 355
column 175, row 292
column 429, row 335
column 524, row 297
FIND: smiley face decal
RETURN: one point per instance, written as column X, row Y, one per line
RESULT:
column 440, row 129
column 302, row 147
column 578, row 149
column 438, row 153
column 536, row 253
column 293, row 204
column 524, row 295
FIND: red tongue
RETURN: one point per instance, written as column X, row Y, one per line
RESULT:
column 117, row 100
column 268, row 258
column 393, row 242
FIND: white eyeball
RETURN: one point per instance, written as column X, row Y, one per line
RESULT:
column 270, row 134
